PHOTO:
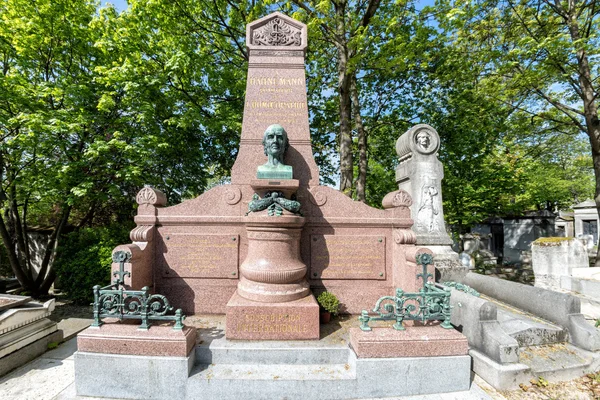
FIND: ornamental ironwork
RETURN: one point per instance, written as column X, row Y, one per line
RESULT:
column 113, row 301
column 430, row 303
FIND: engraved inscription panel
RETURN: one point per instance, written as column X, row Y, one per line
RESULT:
column 273, row 322
column 199, row 256
column 277, row 96
column 347, row 257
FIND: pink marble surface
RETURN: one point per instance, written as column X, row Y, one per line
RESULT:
column 415, row 341
column 276, row 93
column 117, row 338
column 294, row 320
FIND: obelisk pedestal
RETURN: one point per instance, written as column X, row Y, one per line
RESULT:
column 273, row 300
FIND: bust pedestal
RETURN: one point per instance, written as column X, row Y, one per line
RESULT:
column 273, row 299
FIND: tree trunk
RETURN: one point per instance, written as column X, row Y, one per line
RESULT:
column 361, row 182
column 46, row 276
column 346, row 159
column 590, row 108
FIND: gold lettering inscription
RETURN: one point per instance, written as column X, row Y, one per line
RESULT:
column 272, row 328
column 272, row 323
column 286, row 105
column 262, row 81
column 200, row 256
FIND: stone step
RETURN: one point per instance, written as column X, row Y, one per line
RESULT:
column 283, row 381
column 527, row 329
column 241, row 352
column 356, row 379
column 558, row 362
column 281, row 372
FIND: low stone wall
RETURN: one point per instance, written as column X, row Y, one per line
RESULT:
column 561, row 308
column 478, row 319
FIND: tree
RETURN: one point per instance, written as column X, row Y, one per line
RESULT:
column 46, row 122
column 94, row 105
column 343, row 24
column 536, row 56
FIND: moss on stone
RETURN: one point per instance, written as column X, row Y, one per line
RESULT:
column 552, row 241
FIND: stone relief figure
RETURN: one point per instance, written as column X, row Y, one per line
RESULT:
column 276, row 143
column 423, row 139
column 428, row 210
column 277, row 33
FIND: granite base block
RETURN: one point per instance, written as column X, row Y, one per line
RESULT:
column 356, row 379
column 410, row 376
column 116, row 338
column 131, row 377
column 500, row 376
column 415, row 341
column 252, row 320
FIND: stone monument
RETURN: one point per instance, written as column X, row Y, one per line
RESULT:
column 212, row 253
column 420, row 173
column 25, row 330
column 256, row 250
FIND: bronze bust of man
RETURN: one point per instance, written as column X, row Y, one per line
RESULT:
column 276, row 143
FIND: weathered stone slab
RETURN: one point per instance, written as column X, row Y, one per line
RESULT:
column 347, row 257
column 556, row 257
column 117, row 338
column 415, row 341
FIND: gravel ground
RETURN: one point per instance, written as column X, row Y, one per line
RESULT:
column 584, row 388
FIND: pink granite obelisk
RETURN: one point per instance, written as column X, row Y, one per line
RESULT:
column 273, row 299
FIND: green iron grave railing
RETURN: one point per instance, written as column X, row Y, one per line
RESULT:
column 429, row 303
column 113, row 301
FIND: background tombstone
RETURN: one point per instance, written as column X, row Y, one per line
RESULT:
column 420, row 173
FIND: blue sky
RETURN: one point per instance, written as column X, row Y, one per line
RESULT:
column 122, row 4
column 119, row 4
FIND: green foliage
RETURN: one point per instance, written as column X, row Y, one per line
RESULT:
column 52, row 345
column 84, row 259
column 329, row 302
column 517, row 80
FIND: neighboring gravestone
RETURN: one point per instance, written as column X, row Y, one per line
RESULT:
column 420, row 173
column 555, row 257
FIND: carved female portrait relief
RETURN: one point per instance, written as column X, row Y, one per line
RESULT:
column 425, row 141
column 428, row 209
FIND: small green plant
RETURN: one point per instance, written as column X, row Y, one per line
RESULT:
column 597, row 323
column 540, row 382
column 329, row 302
column 52, row 345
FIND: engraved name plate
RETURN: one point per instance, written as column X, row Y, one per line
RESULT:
column 199, row 256
column 347, row 257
